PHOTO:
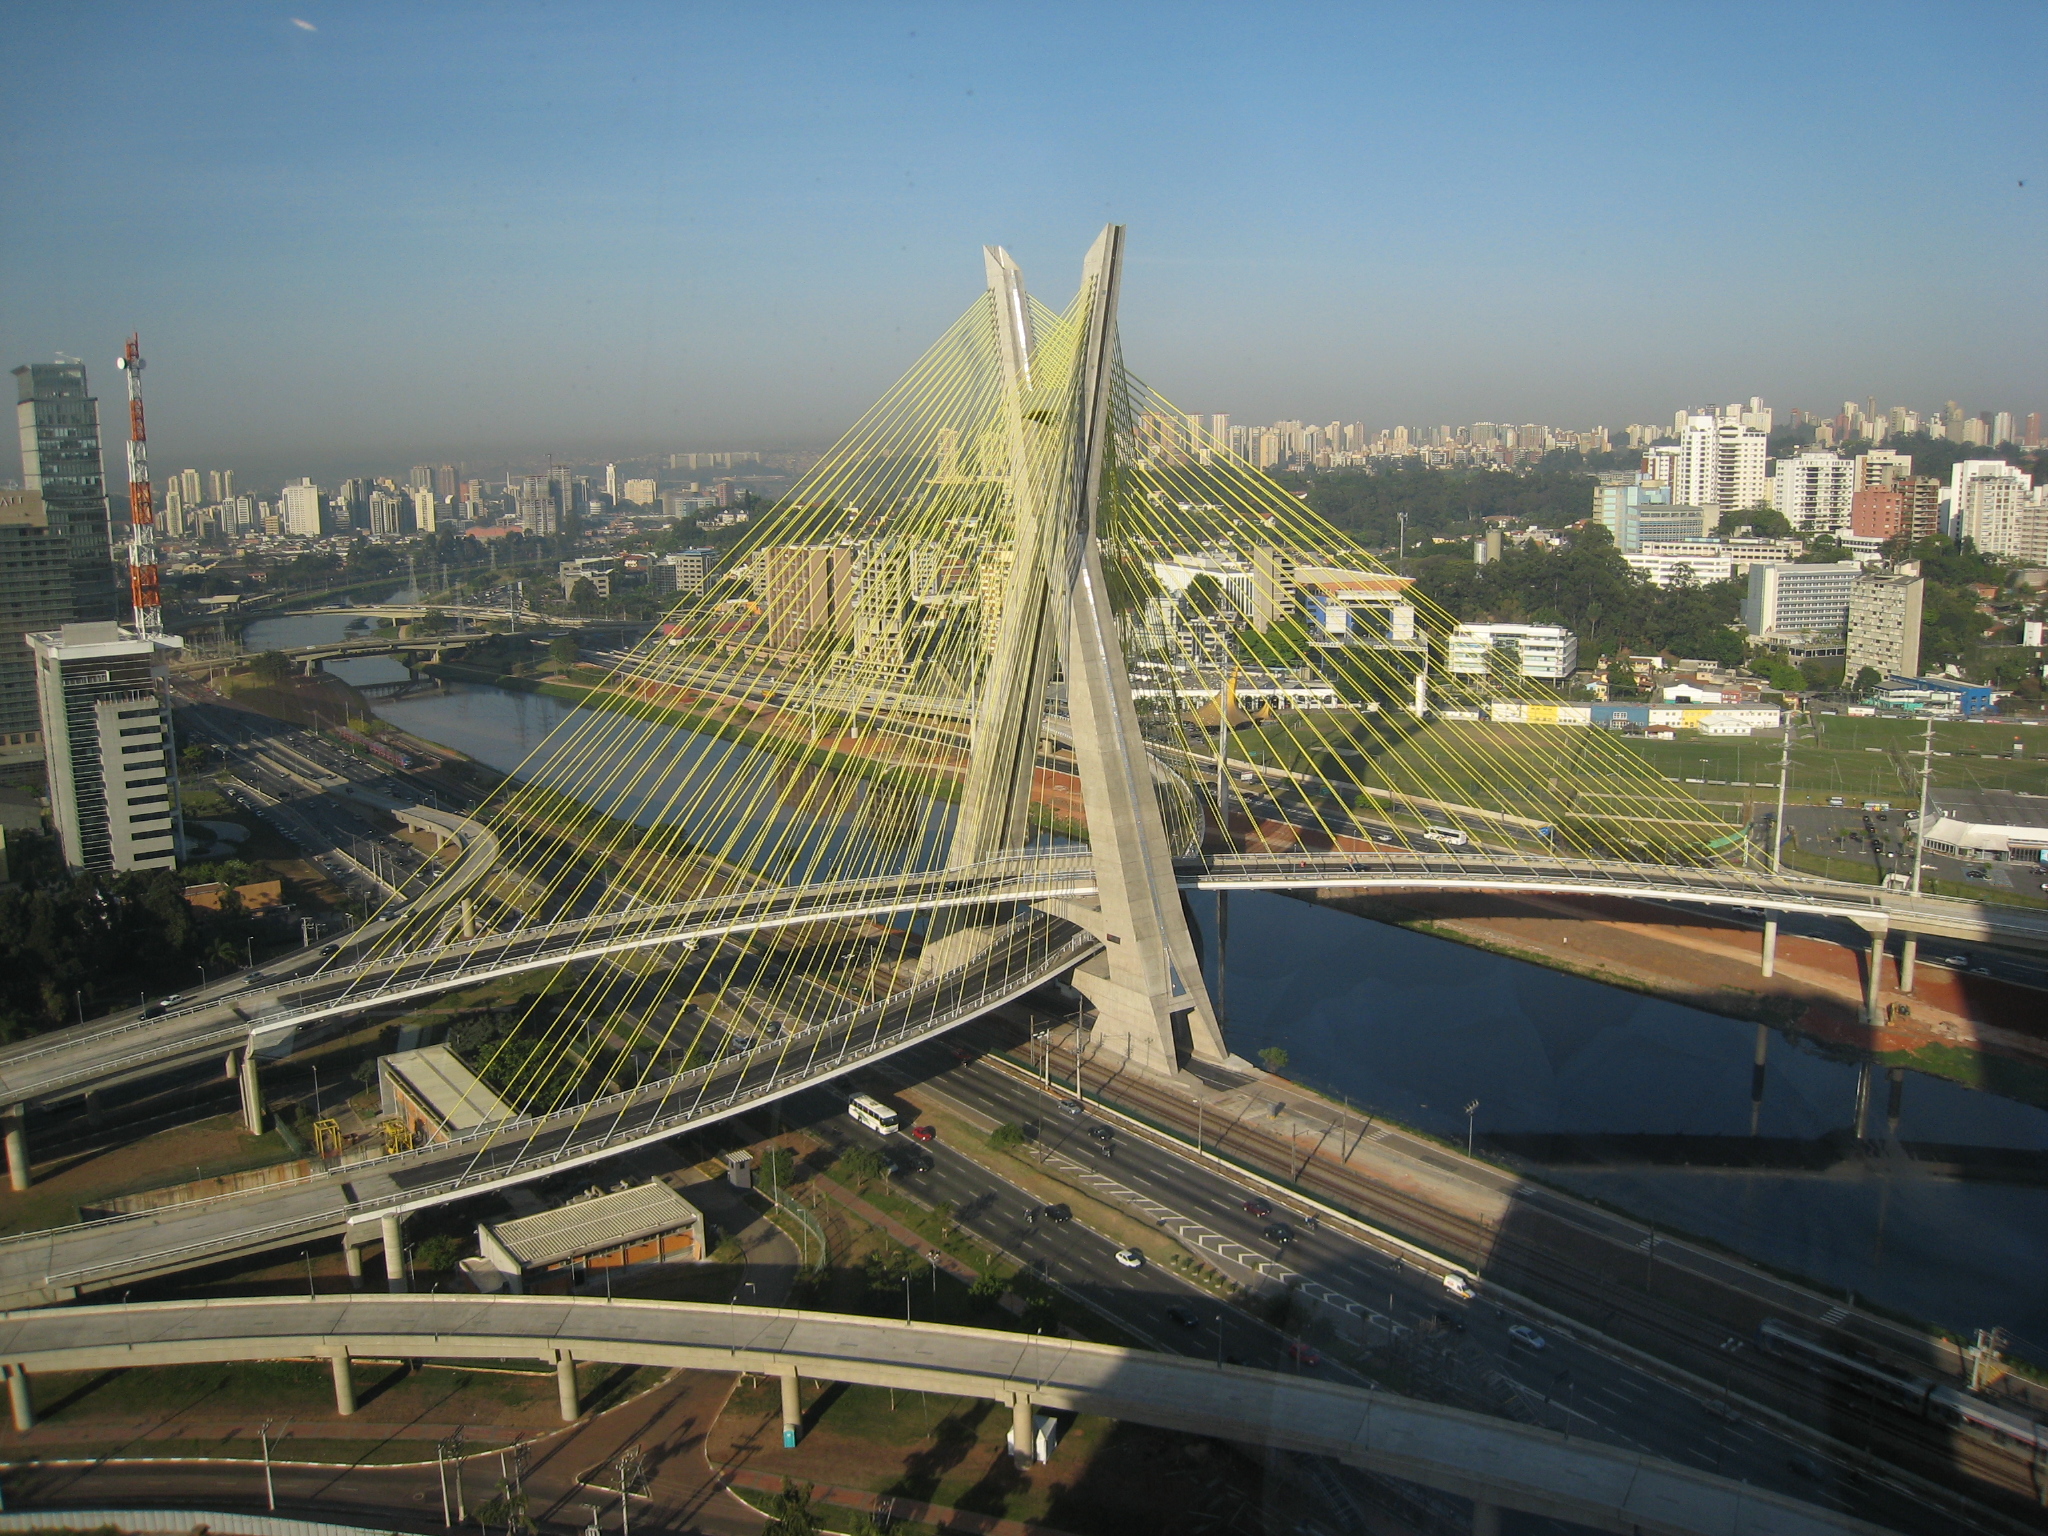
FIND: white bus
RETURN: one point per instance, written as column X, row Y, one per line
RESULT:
column 872, row 1113
column 1450, row 837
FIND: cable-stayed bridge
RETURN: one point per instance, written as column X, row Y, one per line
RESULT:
column 962, row 715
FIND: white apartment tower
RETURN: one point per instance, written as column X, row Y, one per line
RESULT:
column 300, row 505
column 1815, row 491
column 107, row 741
column 1720, row 466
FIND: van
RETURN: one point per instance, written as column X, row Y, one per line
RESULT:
column 1450, row 837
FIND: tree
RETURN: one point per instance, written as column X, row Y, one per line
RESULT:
column 1004, row 1137
column 1274, row 1058
column 789, row 1512
column 860, row 1164
column 1868, row 680
column 272, row 668
column 1621, row 681
column 583, row 595
column 1767, row 522
column 563, row 649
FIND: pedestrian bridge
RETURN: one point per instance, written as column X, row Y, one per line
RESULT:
column 1496, row 1463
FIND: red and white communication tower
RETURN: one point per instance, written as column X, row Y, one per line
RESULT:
column 142, row 572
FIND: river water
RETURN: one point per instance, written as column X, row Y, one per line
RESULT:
column 1416, row 1027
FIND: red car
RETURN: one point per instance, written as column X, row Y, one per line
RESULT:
column 1258, row 1206
column 1301, row 1354
column 924, row 1133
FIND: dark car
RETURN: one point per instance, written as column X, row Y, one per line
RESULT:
column 330, row 949
column 1255, row 1206
column 1102, row 1132
column 905, row 1164
column 1183, row 1317
column 153, row 1011
column 1445, row 1322
column 1279, row 1232
column 1058, row 1213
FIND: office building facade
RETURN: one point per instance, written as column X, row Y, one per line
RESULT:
column 106, row 724
column 35, row 594
column 60, row 457
column 1884, row 623
column 1799, row 599
column 805, row 592
column 1816, row 492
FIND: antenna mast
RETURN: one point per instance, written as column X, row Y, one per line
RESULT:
column 142, row 571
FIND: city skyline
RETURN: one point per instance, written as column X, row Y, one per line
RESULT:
column 743, row 224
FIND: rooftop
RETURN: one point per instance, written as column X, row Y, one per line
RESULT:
column 438, row 1080
column 1991, row 807
column 591, row 1226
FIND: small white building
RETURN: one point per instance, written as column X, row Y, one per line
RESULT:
column 1996, row 825
column 1547, row 651
column 625, row 1230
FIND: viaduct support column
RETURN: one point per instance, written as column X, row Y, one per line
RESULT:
column 792, row 1408
column 243, row 1063
column 15, row 1118
column 394, row 1252
column 352, row 1256
column 21, row 1399
column 344, row 1380
column 1770, row 945
column 1909, row 951
column 1873, row 979
column 1023, row 1430
column 565, row 1386
column 1485, row 1518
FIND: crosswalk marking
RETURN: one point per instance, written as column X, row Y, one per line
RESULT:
column 1832, row 1316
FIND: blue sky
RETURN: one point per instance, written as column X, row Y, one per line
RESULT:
column 402, row 231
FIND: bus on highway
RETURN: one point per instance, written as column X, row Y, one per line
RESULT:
column 872, row 1113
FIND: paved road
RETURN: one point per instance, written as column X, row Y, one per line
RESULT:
column 1571, row 1383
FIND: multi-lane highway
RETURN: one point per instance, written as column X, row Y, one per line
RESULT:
column 1362, row 1308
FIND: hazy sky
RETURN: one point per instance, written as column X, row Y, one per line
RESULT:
column 354, row 236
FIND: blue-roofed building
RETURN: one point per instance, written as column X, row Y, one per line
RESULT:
column 1942, row 694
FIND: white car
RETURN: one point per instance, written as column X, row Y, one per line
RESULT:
column 1458, row 1285
column 1130, row 1258
column 1528, row 1337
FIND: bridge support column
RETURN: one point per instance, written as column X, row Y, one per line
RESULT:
column 94, row 1119
column 352, row 1257
column 468, row 910
column 1873, row 980
column 1756, row 1076
column 1909, row 951
column 21, row 1399
column 344, row 1380
column 1770, row 945
column 1862, row 1100
column 394, row 1252
column 1023, row 1430
column 1485, row 1518
column 242, row 1065
column 565, row 1386
column 792, row 1408
column 15, row 1119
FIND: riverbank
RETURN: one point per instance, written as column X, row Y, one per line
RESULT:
column 1974, row 1030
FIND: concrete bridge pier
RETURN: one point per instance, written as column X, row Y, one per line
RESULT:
column 792, row 1408
column 352, row 1258
column 241, row 1066
column 1873, row 974
column 1485, row 1518
column 15, row 1120
column 1909, row 952
column 21, row 1399
column 1023, row 1430
column 392, row 1226
column 1756, row 1076
column 344, row 1380
column 1770, row 945
column 565, row 1386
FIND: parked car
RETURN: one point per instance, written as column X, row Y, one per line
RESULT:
column 1528, row 1337
column 1130, row 1258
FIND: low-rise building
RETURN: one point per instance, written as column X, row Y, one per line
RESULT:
column 686, row 572
column 608, row 1233
column 1936, row 696
column 434, row 1096
column 1996, row 825
column 1547, row 651
column 1707, row 719
column 1799, row 599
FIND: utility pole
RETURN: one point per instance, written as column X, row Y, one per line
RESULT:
column 1784, row 776
column 1920, row 826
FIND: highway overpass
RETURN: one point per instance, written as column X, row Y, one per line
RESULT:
column 1496, row 1463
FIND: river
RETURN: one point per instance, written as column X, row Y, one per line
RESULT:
column 1416, row 1027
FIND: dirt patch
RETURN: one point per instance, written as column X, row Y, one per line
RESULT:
column 201, row 1150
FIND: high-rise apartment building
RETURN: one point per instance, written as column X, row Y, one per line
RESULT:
column 220, row 485
column 1988, row 502
column 191, row 486
column 387, row 511
column 1884, row 622
column 684, row 573
column 1799, row 599
column 106, row 724
column 445, row 483
column 302, row 509
column 426, row 508
column 1815, row 492
column 1720, row 466
column 60, row 456
column 805, row 591
column 421, row 478
column 1881, row 467
column 1877, row 513
column 35, row 594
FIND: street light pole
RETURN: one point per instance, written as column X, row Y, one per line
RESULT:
column 1920, row 826
column 269, row 1487
column 1784, row 774
column 1471, row 1110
